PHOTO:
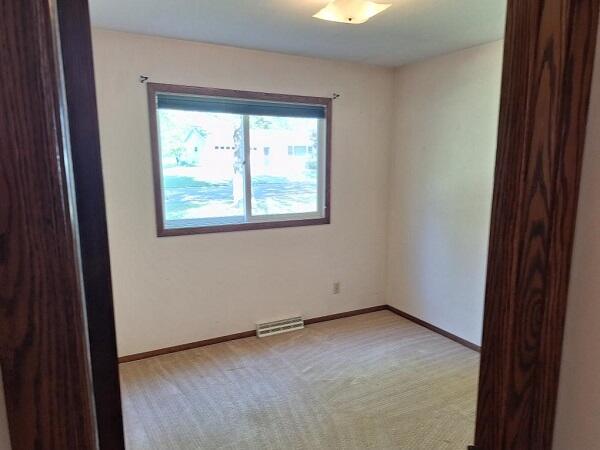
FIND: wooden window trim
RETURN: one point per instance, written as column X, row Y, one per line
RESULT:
column 155, row 88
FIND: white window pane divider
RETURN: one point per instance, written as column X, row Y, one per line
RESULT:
column 247, row 168
column 321, row 157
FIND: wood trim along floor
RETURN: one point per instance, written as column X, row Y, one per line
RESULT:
column 189, row 346
column 245, row 334
column 356, row 312
column 435, row 329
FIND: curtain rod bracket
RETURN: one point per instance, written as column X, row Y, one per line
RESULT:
column 143, row 79
column 335, row 96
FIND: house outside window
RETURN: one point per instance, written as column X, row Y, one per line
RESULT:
column 208, row 176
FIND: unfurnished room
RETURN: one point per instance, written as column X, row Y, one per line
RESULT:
column 292, row 224
column 327, row 184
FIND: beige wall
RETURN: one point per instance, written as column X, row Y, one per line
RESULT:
column 174, row 290
column 578, row 415
column 4, row 440
column 441, row 187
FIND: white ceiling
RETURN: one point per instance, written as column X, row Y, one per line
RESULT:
column 409, row 30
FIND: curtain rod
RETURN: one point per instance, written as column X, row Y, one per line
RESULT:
column 144, row 78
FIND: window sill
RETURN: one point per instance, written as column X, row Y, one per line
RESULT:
column 164, row 232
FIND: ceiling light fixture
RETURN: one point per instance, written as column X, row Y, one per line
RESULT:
column 351, row 11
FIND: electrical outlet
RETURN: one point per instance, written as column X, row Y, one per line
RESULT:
column 336, row 287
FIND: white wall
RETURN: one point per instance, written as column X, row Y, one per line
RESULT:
column 4, row 439
column 441, row 187
column 175, row 290
column 578, row 414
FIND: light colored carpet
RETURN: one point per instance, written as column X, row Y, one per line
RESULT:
column 374, row 381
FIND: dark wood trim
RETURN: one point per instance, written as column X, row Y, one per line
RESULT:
column 245, row 334
column 328, row 159
column 241, row 227
column 43, row 342
column 343, row 315
column 189, row 346
column 156, row 164
column 78, row 69
column 548, row 60
column 156, row 88
column 435, row 329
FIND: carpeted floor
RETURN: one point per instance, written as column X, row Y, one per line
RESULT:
column 374, row 381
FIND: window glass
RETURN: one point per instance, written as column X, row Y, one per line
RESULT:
column 231, row 163
column 202, row 163
column 284, row 182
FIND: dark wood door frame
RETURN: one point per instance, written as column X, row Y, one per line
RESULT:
column 78, row 70
column 54, row 363
column 53, row 372
column 44, row 349
column 548, row 60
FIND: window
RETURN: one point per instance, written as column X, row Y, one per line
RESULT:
column 209, row 172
